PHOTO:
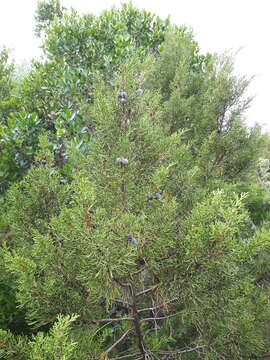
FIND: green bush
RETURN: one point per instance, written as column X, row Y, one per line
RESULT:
column 138, row 209
column 19, row 139
column 144, row 243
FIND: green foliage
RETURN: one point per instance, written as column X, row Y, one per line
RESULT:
column 45, row 13
column 203, row 101
column 52, row 86
column 7, row 84
column 11, row 317
column 6, row 70
column 188, row 272
column 204, row 97
column 138, row 213
column 215, row 287
column 103, row 42
column 12, row 347
column 19, row 139
column 256, row 201
column 76, row 46
column 35, row 200
column 55, row 345
column 179, row 54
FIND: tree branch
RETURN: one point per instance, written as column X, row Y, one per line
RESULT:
column 119, row 340
column 138, row 271
column 162, row 317
column 158, row 306
column 136, row 321
column 146, row 291
column 120, row 282
column 97, row 321
column 179, row 352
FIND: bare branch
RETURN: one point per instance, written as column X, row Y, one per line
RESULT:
column 158, row 306
column 179, row 352
column 162, row 352
column 152, row 355
column 119, row 340
column 146, row 291
column 136, row 321
column 162, row 317
column 120, row 282
column 97, row 321
column 138, row 271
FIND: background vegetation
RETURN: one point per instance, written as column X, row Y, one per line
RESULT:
column 135, row 200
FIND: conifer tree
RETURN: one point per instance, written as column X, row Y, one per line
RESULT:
column 154, row 263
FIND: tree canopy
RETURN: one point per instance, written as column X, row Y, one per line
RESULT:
column 135, row 220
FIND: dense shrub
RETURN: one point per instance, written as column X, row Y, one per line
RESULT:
column 138, row 208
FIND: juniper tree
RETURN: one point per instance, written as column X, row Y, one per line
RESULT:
column 203, row 95
column 149, row 258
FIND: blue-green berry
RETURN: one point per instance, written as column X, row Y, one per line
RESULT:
column 132, row 239
column 122, row 94
column 139, row 91
column 121, row 160
column 123, row 100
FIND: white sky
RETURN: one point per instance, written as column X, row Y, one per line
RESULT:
column 218, row 25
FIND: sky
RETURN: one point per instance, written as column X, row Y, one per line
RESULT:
column 218, row 26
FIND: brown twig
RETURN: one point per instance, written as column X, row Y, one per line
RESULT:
column 97, row 321
column 146, row 291
column 162, row 317
column 179, row 352
column 158, row 306
column 119, row 340
column 120, row 282
column 138, row 271
column 136, row 321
